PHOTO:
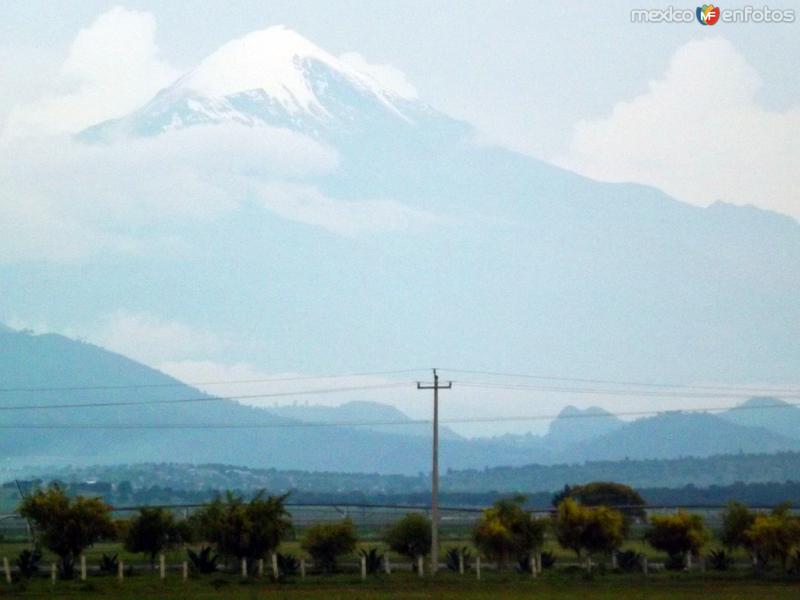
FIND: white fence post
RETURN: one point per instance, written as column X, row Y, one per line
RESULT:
column 53, row 573
column 363, row 567
column 533, row 566
column 83, row 567
column 244, row 567
column 275, row 571
column 162, row 566
column 461, row 562
column 185, row 570
column 7, row 569
column 386, row 564
column 421, row 566
column 539, row 562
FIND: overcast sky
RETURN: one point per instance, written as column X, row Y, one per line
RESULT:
column 704, row 113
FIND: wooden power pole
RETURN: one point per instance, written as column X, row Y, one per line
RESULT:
column 435, row 471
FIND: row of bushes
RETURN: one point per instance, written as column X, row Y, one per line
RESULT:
column 506, row 533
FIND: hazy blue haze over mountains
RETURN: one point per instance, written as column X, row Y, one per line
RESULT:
column 55, row 361
column 527, row 266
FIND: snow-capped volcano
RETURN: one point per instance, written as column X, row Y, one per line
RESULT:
column 275, row 61
column 274, row 77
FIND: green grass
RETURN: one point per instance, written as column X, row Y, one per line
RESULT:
column 553, row 585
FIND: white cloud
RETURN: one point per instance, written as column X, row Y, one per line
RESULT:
column 92, row 193
column 699, row 133
column 306, row 204
column 113, row 66
column 387, row 77
column 152, row 339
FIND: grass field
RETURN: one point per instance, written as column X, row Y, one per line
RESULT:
column 552, row 585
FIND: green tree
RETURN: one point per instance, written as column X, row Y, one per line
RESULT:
column 67, row 526
column 243, row 529
column 507, row 531
column 604, row 493
column 736, row 520
column 776, row 535
column 410, row 536
column 595, row 530
column 326, row 542
column 152, row 531
column 677, row 534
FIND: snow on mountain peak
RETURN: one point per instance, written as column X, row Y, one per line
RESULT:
column 273, row 60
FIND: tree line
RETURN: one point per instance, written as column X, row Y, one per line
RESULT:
column 232, row 528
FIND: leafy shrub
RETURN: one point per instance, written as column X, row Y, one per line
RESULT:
column 242, row 529
column 288, row 565
column 677, row 535
column 776, row 535
column 410, row 536
column 325, row 542
column 67, row 526
column 28, row 563
column 109, row 564
column 451, row 558
column 152, row 531
column 736, row 520
column 591, row 529
column 204, row 561
column 507, row 531
column 373, row 560
column 629, row 561
column 719, row 560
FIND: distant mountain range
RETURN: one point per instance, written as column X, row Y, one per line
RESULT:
column 39, row 370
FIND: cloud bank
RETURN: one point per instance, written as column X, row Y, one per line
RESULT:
column 699, row 133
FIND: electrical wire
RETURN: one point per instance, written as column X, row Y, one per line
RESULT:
column 445, row 421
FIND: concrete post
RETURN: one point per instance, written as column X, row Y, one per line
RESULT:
column 244, row 567
column 478, row 568
column 53, row 573
column 261, row 567
column 275, row 571
column 120, row 570
column 7, row 569
column 532, row 566
column 460, row 562
column 644, row 565
column 420, row 566
column 162, row 566
column 83, row 567
column 302, row 568
column 386, row 564
column 363, row 567
column 185, row 570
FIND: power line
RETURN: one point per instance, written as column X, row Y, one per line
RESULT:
column 201, row 399
column 764, row 390
column 611, row 392
column 203, row 383
column 463, row 420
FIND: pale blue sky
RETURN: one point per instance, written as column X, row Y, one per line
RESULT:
column 702, row 113
column 523, row 72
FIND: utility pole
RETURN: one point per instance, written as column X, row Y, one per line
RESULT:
column 435, row 471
